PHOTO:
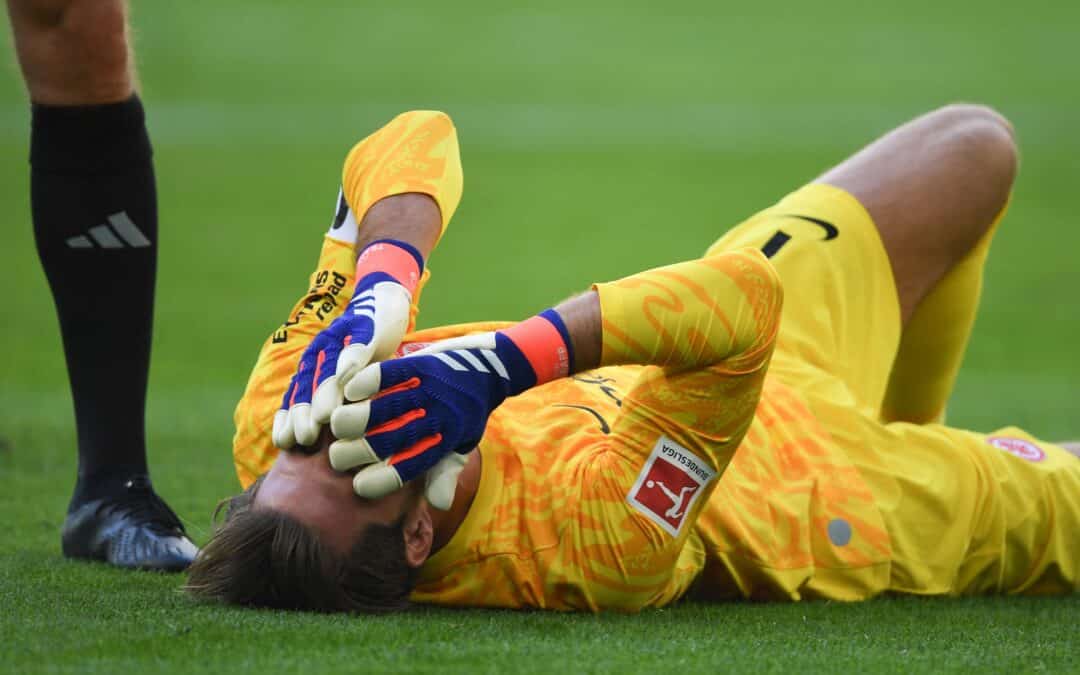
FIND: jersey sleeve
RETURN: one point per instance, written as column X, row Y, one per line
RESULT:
column 418, row 152
column 708, row 327
column 723, row 309
column 328, row 291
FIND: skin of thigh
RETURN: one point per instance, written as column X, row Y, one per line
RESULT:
column 73, row 52
column 933, row 187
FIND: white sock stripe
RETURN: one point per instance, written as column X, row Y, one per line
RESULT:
column 79, row 242
column 473, row 361
column 445, row 358
column 364, row 297
column 496, row 363
column 127, row 230
column 105, row 237
column 364, row 311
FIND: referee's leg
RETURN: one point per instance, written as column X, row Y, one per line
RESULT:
column 94, row 212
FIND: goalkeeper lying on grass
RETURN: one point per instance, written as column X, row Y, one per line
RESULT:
column 682, row 432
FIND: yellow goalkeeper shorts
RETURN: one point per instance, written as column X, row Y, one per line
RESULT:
column 965, row 512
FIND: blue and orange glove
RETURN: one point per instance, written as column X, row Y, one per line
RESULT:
column 424, row 412
column 370, row 329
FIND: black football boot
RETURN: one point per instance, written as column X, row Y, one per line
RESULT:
column 134, row 529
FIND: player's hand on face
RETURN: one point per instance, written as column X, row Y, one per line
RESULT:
column 423, row 413
column 370, row 329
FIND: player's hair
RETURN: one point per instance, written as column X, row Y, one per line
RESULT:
column 266, row 558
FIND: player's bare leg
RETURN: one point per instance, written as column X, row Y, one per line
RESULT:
column 95, row 223
column 935, row 187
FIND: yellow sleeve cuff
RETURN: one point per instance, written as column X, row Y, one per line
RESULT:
column 416, row 152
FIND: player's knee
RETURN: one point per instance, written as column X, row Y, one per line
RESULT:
column 73, row 51
column 981, row 142
column 966, row 112
column 986, row 139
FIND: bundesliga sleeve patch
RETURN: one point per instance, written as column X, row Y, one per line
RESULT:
column 669, row 484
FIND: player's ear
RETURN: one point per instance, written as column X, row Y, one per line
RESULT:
column 418, row 533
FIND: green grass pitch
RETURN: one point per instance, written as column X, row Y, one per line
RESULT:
column 598, row 138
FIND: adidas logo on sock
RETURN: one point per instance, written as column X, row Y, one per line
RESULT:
column 122, row 234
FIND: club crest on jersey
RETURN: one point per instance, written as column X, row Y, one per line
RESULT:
column 1019, row 447
column 669, row 484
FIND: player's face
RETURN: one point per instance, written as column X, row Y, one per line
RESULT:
column 307, row 488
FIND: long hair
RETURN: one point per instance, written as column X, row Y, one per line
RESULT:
column 266, row 558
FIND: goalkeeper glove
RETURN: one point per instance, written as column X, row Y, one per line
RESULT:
column 429, row 409
column 370, row 329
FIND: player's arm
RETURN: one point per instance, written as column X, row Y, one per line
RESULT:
column 719, row 311
column 683, row 317
column 678, row 426
column 415, row 160
column 392, row 244
column 410, row 216
column 403, row 183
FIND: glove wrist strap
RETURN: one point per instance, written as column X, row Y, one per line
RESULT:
column 389, row 260
column 545, row 343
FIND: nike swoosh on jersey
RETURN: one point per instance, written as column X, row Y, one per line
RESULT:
column 830, row 230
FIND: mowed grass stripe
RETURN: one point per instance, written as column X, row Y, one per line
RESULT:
column 558, row 127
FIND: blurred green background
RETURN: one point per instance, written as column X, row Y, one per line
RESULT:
column 598, row 138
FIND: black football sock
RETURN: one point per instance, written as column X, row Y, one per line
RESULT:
column 95, row 223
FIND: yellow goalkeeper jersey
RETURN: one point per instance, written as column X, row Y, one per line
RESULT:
column 557, row 520
column 590, row 486
column 629, row 487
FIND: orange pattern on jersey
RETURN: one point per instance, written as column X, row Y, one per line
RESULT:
column 551, row 525
column 416, row 152
column 766, row 530
column 647, row 318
